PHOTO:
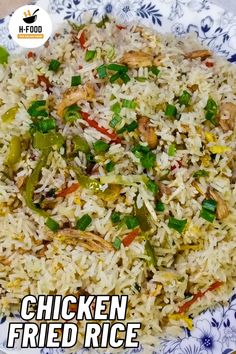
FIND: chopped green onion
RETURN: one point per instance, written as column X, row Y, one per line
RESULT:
column 52, row 224
column 131, row 104
column 117, row 243
column 207, row 215
column 159, row 206
column 116, row 108
column 148, row 161
column 177, row 224
column 122, row 130
column 3, row 55
column 116, row 119
column 125, row 78
column 54, row 65
column 185, row 98
column 45, row 125
column 151, row 185
column 154, row 70
column 132, row 126
column 131, row 221
column 110, row 166
column 72, row 113
column 211, row 111
column 75, row 26
column 210, row 205
column 115, row 217
column 171, row 111
column 76, row 80
column 172, row 150
column 201, row 173
column 83, row 222
column 118, row 68
column 80, row 144
column 38, row 109
column 100, row 146
column 140, row 150
column 90, row 158
column 126, row 180
column 90, row 55
column 102, row 71
column 151, row 253
column 102, row 23
column 114, row 77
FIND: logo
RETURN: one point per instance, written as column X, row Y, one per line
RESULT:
column 30, row 26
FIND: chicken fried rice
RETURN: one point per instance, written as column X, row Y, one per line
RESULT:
column 118, row 173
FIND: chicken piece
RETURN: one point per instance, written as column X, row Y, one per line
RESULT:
column 87, row 240
column 202, row 53
column 193, row 87
column 5, row 261
column 222, row 210
column 43, row 250
column 75, row 95
column 164, row 189
column 227, row 116
column 147, row 132
column 137, row 59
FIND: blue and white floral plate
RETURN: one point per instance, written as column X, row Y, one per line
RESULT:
column 215, row 330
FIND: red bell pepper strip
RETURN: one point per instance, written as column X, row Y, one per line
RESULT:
column 92, row 123
column 130, row 237
column 69, row 190
column 120, row 27
column 199, row 295
column 82, row 40
column 42, row 80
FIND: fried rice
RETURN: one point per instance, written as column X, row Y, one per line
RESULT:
column 118, row 173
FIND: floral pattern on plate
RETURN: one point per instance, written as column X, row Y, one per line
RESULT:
column 215, row 330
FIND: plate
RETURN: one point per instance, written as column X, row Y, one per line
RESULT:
column 214, row 330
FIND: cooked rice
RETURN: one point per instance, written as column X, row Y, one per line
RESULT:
column 67, row 267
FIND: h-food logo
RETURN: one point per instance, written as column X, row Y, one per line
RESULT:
column 30, row 26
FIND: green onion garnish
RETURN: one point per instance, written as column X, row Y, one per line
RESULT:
column 116, row 108
column 185, row 98
column 154, row 70
column 132, row 126
column 90, row 55
column 207, row 215
column 140, row 150
column 177, row 224
column 45, row 125
column 116, row 119
column 52, row 224
column 140, row 78
column 210, row 205
column 80, row 144
column 118, row 68
column 122, row 130
column 102, row 71
column 72, row 113
column 148, row 161
column 114, row 77
column 151, row 253
column 83, row 222
column 115, row 217
column 117, row 243
column 3, row 55
column 171, row 111
column 160, row 206
column 125, row 78
column 100, row 146
column 54, row 65
column 201, row 173
column 38, row 109
column 90, row 158
column 151, row 185
column 131, row 221
column 211, row 111
column 131, row 104
column 110, row 166
column 76, row 80
column 172, row 150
